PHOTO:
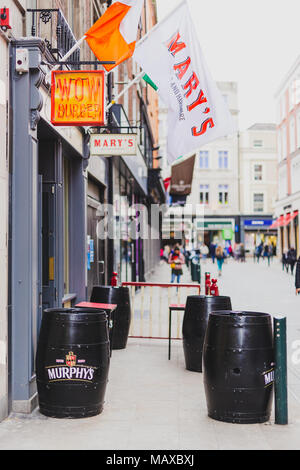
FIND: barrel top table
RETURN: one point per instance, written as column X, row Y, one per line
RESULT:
column 110, row 307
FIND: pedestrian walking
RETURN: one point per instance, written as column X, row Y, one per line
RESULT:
column 230, row 251
column 212, row 251
column 297, row 277
column 204, row 252
column 166, row 254
column 220, row 259
column 284, row 261
column 292, row 259
column 271, row 251
column 258, row 252
column 242, row 253
column 176, row 260
column 266, row 253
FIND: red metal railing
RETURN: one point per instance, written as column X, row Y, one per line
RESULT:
column 150, row 308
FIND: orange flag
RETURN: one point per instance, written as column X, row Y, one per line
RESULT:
column 113, row 36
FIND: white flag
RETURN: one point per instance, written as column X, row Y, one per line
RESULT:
column 172, row 57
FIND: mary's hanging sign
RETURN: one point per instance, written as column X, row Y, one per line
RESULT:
column 113, row 144
column 77, row 98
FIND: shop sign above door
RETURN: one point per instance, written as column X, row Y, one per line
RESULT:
column 77, row 98
column 113, row 144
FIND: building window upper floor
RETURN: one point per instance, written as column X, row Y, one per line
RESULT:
column 204, row 194
column 258, row 202
column 204, row 160
column 223, row 160
column 258, row 172
column 223, row 195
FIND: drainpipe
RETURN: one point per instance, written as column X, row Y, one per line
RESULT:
column 110, row 198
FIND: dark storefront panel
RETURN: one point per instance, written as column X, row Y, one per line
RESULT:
column 96, row 246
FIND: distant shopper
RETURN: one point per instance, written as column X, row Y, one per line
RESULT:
column 258, row 252
column 297, row 277
column 230, row 251
column 212, row 252
column 242, row 253
column 292, row 259
column 176, row 260
column 204, row 251
column 284, row 261
column 220, row 258
column 266, row 253
column 271, row 251
column 166, row 254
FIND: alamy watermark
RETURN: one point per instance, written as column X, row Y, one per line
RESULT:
column 142, row 222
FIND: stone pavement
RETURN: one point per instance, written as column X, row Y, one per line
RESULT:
column 153, row 403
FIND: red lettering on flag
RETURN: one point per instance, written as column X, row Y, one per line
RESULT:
column 181, row 68
column 200, row 100
column 174, row 46
column 204, row 126
column 191, row 85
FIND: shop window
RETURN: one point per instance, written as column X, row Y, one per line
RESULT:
column 258, row 202
column 204, row 194
column 223, row 195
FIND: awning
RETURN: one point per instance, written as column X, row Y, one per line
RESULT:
column 289, row 218
column 284, row 220
column 278, row 222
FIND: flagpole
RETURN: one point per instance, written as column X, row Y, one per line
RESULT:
column 159, row 23
column 141, row 74
column 68, row 54
column 71, row 51
column 136, row 79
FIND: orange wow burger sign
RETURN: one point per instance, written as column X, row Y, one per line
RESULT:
column 77, row 98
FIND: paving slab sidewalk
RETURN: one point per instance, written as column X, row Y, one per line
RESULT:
column 153, row 403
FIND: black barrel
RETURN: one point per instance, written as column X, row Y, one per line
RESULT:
column 72, row 362
column 238, row 359
column 197, row 310
column 121, row 316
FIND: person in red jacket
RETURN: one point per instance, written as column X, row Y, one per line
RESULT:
column 176, row 260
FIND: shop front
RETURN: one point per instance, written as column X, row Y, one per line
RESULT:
column 256, row 230
column 215, row 231
column 47, row 220
column 287, row 225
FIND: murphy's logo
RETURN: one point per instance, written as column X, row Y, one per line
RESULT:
column 71, row 359
column 70, row 371
column 268, row 377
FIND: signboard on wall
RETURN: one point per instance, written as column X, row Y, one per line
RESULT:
column 113, row 144
column 77, row 98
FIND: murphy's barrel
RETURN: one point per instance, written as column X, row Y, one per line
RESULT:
column 197, row 311
column 72, row 362
column 121, row 316
column 238, row 359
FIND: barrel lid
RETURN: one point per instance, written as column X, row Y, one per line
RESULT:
column 209, row 298
column 240, row 315
column 111, row 288
column 74, row 313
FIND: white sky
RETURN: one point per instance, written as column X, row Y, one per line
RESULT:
column 251, row 42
